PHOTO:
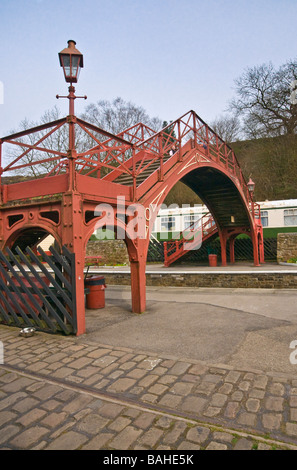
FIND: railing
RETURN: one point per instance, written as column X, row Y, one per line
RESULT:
column 191, row 127
column 198, row 232
column 44, row 149
column 33, row 152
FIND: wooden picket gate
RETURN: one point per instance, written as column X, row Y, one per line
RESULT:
column 38, row 291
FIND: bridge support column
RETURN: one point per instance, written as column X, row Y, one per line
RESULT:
column 72, row 237
column 138, row 276
column 223, row 241
column 255, row 248
column 261, row 246
column 138, row 286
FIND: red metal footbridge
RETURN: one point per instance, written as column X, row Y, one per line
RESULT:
column 118, row 182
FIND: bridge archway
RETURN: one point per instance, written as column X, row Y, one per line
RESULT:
column 136, row 247
column 221, row 196
column 224, row 198
column 114, row 224
column 226, row 203
column 30, row 236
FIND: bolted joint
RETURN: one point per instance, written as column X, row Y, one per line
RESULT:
column 71, row 119
column 72, row 154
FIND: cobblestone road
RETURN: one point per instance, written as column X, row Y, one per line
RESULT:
column 66, row 393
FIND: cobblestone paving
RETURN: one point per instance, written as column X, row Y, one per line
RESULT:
column 65, row 393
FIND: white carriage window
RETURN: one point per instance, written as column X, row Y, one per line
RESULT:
column 190, row 219
column 168, row 224
column 264, row 218
column 290, row 216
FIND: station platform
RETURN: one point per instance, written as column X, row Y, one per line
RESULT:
column 238, row 275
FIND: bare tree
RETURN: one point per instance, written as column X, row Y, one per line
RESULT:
column 113, row 117
column 117, row 115
column 227, row 127
column 263, row 100
column 57, row 141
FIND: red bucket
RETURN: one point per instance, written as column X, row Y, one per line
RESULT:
column 212, row 260
column 96, row 296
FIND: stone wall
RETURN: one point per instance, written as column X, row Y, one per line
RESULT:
column 112, row 252
column 259, row 280
column 286, row 246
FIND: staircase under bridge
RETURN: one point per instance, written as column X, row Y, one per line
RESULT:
column 118, row 182
column 191, row 239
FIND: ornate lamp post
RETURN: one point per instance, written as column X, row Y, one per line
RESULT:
column 251, row 186
column 71, row 60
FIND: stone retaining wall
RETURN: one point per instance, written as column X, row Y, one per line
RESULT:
column 113, row 252
column 238, row 280
column 286, row 246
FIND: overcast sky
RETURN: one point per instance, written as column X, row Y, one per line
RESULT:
column 168, row 56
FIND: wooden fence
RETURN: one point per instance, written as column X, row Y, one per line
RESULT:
column 38, row 291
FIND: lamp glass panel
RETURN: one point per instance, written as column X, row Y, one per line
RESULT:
column 66, row 65
column 74, row 65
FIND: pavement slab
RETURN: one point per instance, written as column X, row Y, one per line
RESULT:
column 125, row 386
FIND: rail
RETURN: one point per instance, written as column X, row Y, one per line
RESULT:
column 44, row 150
column 198, row 231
